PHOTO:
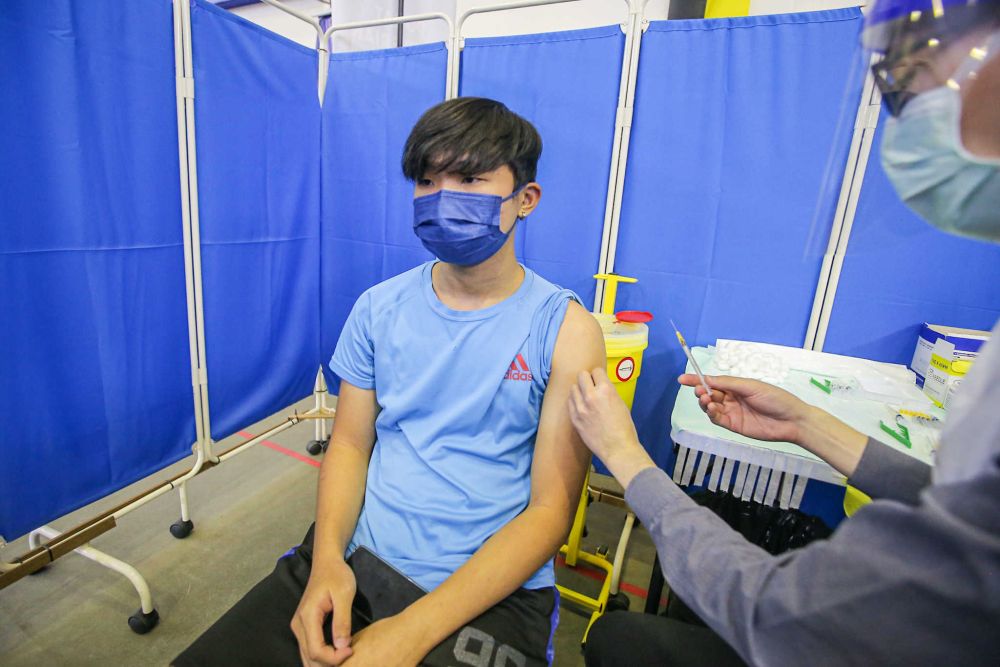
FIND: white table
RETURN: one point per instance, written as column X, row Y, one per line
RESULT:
column 764, row 471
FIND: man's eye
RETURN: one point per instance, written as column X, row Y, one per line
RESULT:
column 468, row 180
column 424, row 182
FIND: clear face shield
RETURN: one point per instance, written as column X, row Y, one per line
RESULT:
column 928, row 45
column 923, row 60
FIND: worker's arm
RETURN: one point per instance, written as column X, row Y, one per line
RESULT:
column 763, row 411
column 558, row 468
column 342, row 478
column 894, row 585
column 754, row 409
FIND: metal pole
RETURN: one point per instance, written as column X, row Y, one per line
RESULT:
column 190, row 159
column 121, row 567
column 400, row 20
column 866, row 120
column 322, row 50
column 400, row 11
column 184, row 73
column 457, row 42
column 623, row 132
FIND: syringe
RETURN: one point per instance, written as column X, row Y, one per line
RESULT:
column 694, row 364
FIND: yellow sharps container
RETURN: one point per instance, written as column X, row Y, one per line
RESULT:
column 624, row 343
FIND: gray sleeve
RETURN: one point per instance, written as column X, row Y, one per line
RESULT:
column 884, row 472
column 894, row 585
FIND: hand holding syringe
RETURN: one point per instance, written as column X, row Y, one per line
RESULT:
column 690, row 357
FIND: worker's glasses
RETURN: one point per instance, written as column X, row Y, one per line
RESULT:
column 894, row 80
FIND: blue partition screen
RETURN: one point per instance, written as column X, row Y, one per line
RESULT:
column 372, row 101
column 95, row 366
column 737, row 123
column 566, row 84
column 900, row 272
column 258, row 132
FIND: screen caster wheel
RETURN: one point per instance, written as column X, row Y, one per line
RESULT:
column 181, row 529
column 141, row 623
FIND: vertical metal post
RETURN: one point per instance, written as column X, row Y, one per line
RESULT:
column 623, row 131
column 400, row 11
column 185, row 147
column 865, row 123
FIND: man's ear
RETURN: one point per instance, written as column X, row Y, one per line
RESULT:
column 530, row 195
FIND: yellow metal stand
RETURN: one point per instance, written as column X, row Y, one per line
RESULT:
column 574, row 555
column 571, row 551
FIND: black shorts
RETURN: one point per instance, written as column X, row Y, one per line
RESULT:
column 516, row 632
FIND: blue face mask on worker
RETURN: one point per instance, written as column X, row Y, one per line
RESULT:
column 460, row 227
column 935, row 175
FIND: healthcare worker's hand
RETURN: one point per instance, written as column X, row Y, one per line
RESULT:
column 765, row 412
column 388, row 642
column 330, row 590
column 603, row 421
column 750, row 407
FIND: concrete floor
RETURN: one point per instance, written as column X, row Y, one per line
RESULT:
column 247, row 512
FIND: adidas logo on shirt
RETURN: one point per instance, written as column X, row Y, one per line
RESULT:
column 518, row 370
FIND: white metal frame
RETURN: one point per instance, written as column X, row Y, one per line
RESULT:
column 196, row 334
column 400, row 20
column 184, row 72
column 321, row 49
column 637, row 24
column 865, row 123
column 121, row 567
column 458, row 42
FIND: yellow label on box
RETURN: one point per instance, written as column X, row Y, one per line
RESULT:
column 941, row 363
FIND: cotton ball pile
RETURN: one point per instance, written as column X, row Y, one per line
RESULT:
column 747, row 361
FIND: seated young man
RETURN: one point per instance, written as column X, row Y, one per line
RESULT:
column 452, row 456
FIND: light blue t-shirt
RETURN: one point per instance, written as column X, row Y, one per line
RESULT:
column 461, row 394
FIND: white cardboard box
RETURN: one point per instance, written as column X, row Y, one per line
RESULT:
column 966, row 341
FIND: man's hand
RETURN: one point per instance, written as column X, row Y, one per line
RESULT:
column 603, row 421
column 765, row 412
column 390, row 642
column 330, row 590
column 751, row 408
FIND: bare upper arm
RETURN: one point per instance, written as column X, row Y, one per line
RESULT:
column 561, row 459
column 354, row 425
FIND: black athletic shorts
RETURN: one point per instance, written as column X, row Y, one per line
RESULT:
column 516, row 632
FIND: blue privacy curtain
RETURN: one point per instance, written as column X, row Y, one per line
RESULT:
column 735, row 129
column 900, row 272
column 257, row 127
column 373, row 99
column 95, row 380
column 566, row 84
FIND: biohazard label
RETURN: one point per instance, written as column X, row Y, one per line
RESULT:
column 625, row 369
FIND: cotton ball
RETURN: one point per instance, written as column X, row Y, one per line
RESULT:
column 723, row 360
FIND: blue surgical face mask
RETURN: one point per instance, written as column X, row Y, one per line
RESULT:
column 460, row 227
column 935, row 175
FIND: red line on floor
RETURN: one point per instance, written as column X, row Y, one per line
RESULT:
column 596, row 576
column 599, row 576
column 283, row 450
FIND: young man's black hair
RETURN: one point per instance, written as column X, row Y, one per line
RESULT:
column 472, row 135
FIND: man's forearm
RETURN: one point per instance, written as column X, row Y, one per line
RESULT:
column 342, row 478
column 490, row 575
column 832, row 440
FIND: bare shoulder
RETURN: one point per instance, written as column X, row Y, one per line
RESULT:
column 580, row 344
